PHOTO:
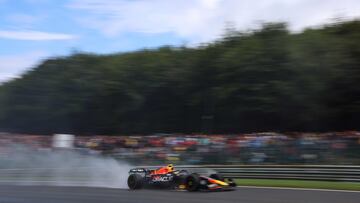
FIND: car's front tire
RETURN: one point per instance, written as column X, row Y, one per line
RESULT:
column 192, row 182
column 135, row 181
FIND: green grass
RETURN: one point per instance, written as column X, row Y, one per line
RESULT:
column 299, row 184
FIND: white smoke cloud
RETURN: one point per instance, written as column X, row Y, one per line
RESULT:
column 65, row 168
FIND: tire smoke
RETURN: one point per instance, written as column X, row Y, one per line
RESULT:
column 24, row 166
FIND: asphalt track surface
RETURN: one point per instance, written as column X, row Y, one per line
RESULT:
column 56, row 194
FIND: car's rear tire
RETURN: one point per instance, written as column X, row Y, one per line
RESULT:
column 135, row 181
column 217, row 176
column 192, row 182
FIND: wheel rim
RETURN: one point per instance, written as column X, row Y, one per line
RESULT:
column 191, row 183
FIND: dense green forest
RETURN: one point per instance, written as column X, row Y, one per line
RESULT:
column 267, row 79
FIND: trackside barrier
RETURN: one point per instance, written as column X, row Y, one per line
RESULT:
column 295, row 172
column 305, row 172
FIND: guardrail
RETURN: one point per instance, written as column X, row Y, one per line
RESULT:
column 296, row 172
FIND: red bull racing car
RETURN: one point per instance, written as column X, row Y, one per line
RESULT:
column 167, row 177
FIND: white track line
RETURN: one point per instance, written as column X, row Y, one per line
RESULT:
column 305, row 189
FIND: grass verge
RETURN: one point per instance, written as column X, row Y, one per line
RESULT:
column 299, row 184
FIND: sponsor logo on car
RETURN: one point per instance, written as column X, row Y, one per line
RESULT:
column 162, row 178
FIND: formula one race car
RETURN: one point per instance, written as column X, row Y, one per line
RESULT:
column 167, row 177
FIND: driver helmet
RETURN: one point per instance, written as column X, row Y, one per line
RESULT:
column 170, row 168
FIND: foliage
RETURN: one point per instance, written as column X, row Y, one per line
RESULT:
column 265, row 79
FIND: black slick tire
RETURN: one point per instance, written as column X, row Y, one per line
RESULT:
column 192, row 182
column 135, row 182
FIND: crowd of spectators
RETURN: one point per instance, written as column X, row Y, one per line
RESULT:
column 252, row 148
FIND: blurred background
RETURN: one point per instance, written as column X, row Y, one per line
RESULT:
column 337, row 148
column 212, row 82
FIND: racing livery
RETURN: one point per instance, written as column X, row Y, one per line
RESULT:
column 167, row 177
